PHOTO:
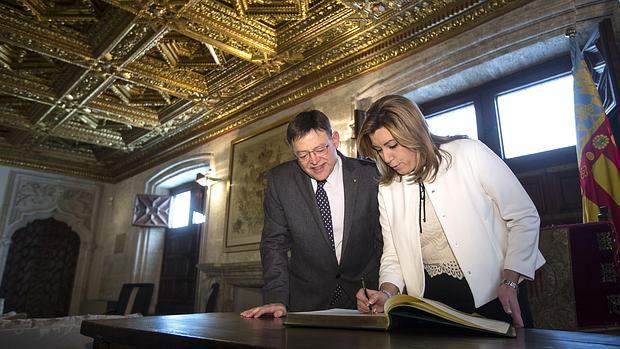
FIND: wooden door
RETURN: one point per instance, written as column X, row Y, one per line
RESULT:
column 40, row 268
column 177, row 285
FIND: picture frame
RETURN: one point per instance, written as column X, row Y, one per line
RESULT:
column 251, row 156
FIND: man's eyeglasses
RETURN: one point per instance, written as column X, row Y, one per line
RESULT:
column 304, row 155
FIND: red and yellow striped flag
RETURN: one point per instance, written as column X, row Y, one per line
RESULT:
column 597, row 152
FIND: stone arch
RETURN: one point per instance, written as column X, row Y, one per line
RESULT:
column 149, row 241
column 40, row 269
column 72, row 221
column 35, row 196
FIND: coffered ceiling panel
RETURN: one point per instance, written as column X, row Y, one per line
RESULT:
column 108, row 88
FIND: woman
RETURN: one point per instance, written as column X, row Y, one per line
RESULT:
column 458, row 227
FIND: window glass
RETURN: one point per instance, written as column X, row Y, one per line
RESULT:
column 537, row 118
column 198, row 217
column 457, row 121
column 179, row 210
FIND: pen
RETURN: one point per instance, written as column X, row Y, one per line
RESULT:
column 366, row 294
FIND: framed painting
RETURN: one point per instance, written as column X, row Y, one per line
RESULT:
column 251, row 157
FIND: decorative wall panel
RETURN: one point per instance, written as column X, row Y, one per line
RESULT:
column 73, row 202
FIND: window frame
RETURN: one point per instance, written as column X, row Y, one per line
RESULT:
column 484, row 99
column 467, row 103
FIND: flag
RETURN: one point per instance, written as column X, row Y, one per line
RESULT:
column 597, row 152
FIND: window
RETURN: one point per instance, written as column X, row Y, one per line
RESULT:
column 179, row 210
column 527, row 118
column 198, row 217
column 186, row 206
column 458, row 121
column 537, row 118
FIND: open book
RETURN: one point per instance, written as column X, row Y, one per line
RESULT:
column 398, row 310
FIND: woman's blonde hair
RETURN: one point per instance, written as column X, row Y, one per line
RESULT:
column 405, row 122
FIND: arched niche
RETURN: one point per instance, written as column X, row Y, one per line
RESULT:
column 33, row 196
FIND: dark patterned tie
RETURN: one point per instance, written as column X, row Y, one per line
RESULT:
column 326, row 213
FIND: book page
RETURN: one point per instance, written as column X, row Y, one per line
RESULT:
column 460, row 317
column 337, row 318
column 334, row 312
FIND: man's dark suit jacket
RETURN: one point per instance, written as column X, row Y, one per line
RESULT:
column 307, row 279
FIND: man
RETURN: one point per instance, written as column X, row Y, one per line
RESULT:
column 321, row 234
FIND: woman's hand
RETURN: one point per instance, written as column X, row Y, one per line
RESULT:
column 508, row 297
column 373, row 304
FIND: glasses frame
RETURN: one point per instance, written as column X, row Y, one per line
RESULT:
column 304, row 155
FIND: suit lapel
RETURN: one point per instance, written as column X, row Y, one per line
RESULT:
column 351, row 188
column 302, row 180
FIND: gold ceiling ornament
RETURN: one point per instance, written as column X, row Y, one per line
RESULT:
column 58, row 11
column 183, row 52
column 272, row 65
column 107, row 88
column 374, row 9
column 272, row 10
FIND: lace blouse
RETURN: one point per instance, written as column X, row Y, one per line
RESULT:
column 437, row 254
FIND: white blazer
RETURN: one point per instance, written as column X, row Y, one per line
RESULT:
column 489, row 220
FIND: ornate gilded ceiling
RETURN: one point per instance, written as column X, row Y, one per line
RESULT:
column 107, row 88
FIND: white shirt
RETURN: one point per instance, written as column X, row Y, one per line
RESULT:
column 334, row 187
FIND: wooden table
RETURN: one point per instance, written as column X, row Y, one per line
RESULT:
column 229, row 330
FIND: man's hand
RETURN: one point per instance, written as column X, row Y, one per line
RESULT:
column 275, row 309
